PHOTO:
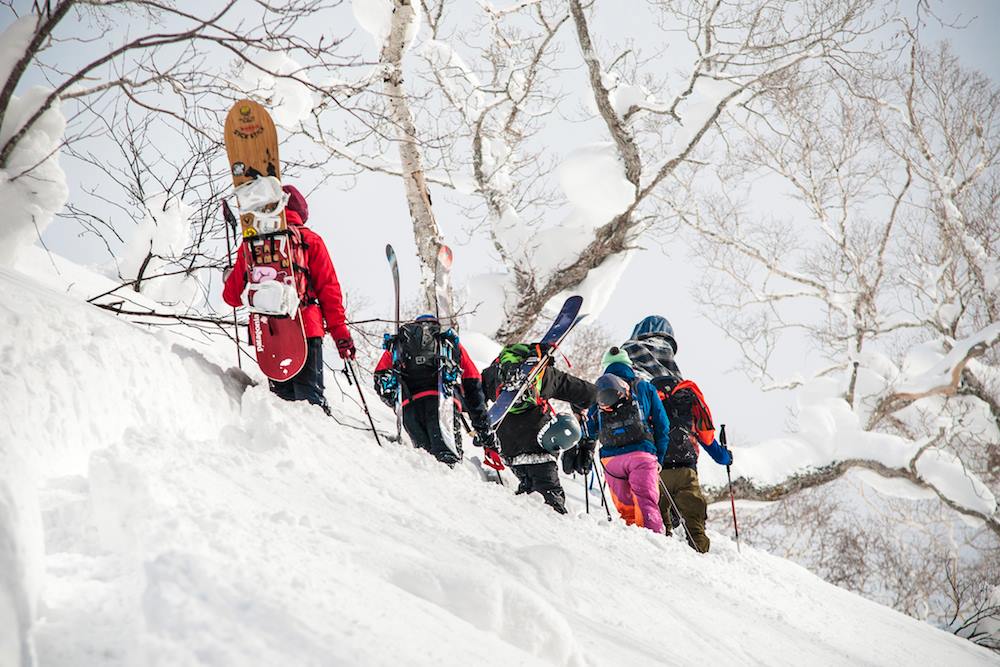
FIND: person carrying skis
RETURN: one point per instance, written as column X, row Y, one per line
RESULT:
column 416, row 370
column 632, row 426
column 651, row 350
column 321, row 311
column 520, row 434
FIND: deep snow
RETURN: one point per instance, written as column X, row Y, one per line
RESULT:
column 189, row 517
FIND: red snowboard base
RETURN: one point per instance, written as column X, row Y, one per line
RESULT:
column 280, row 343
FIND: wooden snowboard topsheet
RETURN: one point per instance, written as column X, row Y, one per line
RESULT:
column 252, row 147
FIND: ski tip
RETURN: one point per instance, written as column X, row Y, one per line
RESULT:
column 445, row 255
column 389, row 252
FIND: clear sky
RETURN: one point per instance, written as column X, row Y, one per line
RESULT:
column 359, row 221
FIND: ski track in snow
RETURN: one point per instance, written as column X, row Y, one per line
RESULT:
column 191, row 518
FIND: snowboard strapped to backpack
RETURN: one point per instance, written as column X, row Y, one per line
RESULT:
column 278, row 281
column 690, row 421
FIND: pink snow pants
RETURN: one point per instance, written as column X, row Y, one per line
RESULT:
column 634, row 482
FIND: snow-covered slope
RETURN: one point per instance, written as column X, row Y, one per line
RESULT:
column 189, row 517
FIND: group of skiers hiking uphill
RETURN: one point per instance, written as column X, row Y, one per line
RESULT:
column 649, row 422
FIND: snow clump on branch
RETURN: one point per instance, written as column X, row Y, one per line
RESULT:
column 375, row 18
column 151, row 255
column 593, row 178
column 283, row 83
column 32, row 184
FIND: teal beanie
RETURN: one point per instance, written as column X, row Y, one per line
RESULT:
column 616, row 355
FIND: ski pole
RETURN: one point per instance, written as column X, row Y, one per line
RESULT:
column 732, row 497
column 600, row 485
column 230, row 219
column 349, row 366
column 586, row 493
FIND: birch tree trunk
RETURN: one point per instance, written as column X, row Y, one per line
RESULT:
column 425, row 229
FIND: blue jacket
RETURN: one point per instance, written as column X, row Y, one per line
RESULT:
column 650, row 405
column 719, row 454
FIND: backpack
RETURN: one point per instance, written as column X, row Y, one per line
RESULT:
column 690, row 421
column 300, row 262
column 418, row 351
column 510, row 375
column 271, row 248
column 625, row 424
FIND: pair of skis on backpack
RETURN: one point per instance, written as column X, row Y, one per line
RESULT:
column 446, row 353
column 449, row 375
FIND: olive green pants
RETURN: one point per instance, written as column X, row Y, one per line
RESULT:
column 682, row 483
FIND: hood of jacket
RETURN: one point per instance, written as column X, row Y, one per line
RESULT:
column 657, row 326
column 623, row 371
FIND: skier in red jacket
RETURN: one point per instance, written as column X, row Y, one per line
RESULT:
column 322, row 311
column 415, row 372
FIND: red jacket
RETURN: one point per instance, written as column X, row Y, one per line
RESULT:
column 323, row 281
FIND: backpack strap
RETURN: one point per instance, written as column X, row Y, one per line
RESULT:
column 300, row 263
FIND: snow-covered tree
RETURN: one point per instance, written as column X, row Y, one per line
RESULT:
column 884, row 256
column 655, row 126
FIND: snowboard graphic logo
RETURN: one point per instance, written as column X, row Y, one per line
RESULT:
column 248, row 126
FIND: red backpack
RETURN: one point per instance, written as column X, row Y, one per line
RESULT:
column 270, row 249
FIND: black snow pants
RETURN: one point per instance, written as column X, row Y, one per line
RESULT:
column 420, row 418
column 542, row 478
column 307, row 384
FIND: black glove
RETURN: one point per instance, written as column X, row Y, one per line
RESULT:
column 585, row 456
column 569, row 459
column 485, row 438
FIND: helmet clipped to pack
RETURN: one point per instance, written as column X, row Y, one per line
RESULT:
column 562, row 432
column 612, row 391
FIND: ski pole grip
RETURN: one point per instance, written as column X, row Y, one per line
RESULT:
column 722, row 435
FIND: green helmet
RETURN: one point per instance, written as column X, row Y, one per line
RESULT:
column 510, row 374
column 562, row 432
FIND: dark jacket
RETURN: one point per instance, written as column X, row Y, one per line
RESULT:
column 649, row 405
column 652, row 356
column 651, row 350
column 518, row 433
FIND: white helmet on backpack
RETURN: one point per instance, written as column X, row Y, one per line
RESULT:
column 562, row 432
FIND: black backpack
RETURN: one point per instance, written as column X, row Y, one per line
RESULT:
column 418, row 348
column 682, row 450
column 624, row 425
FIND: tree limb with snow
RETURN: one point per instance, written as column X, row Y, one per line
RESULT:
column 737, row 55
